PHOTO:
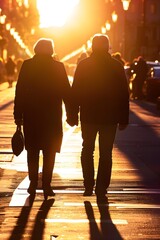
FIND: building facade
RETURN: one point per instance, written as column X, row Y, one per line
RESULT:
column 137, row 29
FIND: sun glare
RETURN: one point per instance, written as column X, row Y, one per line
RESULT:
column 55, row 12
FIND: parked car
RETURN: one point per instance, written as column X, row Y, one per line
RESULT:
column 153, row 84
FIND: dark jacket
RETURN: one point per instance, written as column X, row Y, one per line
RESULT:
column 41, row 87
column 100, row 89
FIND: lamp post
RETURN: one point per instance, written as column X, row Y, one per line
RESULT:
column 114, row 19
column 125, row 8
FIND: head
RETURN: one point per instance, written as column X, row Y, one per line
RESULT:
column 117, row 55
column 44, row 46
column 100, row 43
column 140, row 58
column 83, row 55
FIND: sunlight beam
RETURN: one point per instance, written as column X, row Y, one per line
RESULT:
column 55, row 12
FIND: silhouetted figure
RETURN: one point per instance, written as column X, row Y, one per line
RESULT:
column 19, row 64
column 2, row 70
column 41, row 87
column 10, row 71
column 100, row 92
column 82, row 56
column 118, row 56
column 140, row 70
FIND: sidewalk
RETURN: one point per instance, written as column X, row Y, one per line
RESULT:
column 6, row 94
column 64, row 216
column 69, row 215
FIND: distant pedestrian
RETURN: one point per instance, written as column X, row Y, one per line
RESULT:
column 140, row 70
column 19, row 64
column 82, row 56
column 2, row 70
column 10, row 71
column 100, row 92
column 118, row 56
column 42, row 85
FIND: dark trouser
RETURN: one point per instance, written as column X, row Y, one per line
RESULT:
column 106, row 140
column 33, row 166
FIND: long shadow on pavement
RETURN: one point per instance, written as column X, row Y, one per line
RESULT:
column 107, row 228
column 22, row 221
column 149, row 106
column 39, row 221
column 140, row 143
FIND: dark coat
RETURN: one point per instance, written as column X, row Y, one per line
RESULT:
column 41, row 87
column 100, row 89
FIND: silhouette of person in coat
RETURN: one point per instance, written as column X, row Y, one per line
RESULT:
column 100, row 92
column 41, row 87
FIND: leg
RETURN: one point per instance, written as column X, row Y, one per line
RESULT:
column 106, row 140
column 89, row 133
column 140, row 89
column 134, row 88
column 47, row 171
column 33, row 165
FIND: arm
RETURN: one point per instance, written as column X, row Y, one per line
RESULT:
column 75, row 92
column 19, row 98
column 67, row 98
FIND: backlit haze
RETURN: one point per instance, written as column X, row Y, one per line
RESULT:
column 70, row 23
column 55, row 12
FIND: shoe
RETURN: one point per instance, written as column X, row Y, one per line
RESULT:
column 88, row 192
column 48, row 192
column 32, row 189
column 102, row 199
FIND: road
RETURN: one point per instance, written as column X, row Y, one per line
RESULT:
column 133, row 209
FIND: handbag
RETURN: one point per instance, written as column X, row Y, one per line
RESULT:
column 17, row 141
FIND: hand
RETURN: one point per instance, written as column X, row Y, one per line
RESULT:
column 72, row 122
column 122, row 126
column 19, row 122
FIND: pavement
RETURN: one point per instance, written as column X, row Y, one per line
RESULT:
column 133, row 209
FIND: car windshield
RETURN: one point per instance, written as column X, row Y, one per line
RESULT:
column 155, row 72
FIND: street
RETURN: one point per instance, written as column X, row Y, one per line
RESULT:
column 133, row 209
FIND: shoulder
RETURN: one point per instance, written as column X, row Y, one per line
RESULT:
column 117, row 66
column 57, row 63
column 27, row 61
column 85, row 62
column 116, row 62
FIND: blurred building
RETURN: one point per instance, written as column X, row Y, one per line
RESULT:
column 134, row 32
column 137, row 30
column 18, row 21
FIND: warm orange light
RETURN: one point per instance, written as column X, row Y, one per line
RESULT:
column 108, row 26
column 55, row 12
column 126, row 4
column 114, row 17
column 103, row 30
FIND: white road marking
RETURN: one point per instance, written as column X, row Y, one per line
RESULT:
column 141, row 190
column 117, row 205
column 21, row 194
column 114, row 221
column 137, row 206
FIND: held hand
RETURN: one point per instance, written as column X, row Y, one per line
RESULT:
column 19, row 122
column 122, row 126
column 72, row 122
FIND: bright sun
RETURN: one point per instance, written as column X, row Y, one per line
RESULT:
column 55, row 12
